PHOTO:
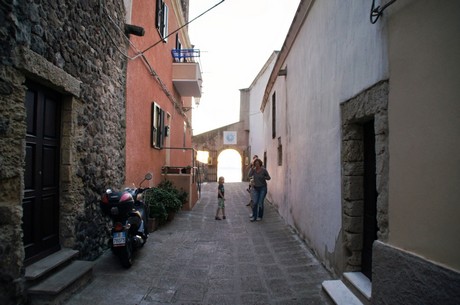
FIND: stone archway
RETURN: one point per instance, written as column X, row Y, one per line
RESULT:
column 230, row 165
column 213, row 142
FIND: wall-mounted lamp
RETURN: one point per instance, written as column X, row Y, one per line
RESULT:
column 134, row 29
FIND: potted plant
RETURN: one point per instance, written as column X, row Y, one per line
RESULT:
column 157, row 211
column 161, row 198
column 171, row 203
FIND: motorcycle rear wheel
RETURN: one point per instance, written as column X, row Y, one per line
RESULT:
column 126, row 255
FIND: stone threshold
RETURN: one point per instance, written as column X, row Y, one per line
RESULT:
column 354, row 289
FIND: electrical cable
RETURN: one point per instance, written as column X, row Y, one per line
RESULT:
column 144, row 59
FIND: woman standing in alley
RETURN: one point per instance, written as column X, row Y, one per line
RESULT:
column 260, row 176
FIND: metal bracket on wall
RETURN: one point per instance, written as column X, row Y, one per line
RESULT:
column 376, row 12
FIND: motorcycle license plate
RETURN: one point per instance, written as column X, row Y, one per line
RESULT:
column 119, row 239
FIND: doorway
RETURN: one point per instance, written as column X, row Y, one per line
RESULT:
column 370, row 228
column 41, row 177
column 364, row 176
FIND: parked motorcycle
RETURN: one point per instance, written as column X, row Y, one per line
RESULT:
column 129, row 217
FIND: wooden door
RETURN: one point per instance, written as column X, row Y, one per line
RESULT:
column 212, row 167
column 370, row 199
column 41, row 177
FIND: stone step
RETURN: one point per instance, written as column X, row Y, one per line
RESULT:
column 360, row 285
column 55, row 289
column 339, row 293
column 50, row 263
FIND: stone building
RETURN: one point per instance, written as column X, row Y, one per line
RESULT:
column 213, row 142
column 248, row 129
column 361, row 137
column 62, row 129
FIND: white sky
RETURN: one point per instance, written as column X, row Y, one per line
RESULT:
column 235, row 39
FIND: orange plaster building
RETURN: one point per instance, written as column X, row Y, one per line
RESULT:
column 163, row 78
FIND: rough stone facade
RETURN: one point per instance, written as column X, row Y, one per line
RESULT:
column 73, row 48
column 372, row 104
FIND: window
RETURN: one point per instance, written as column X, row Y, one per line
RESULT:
column 177, row 53
column 274, row 115
column 158, row 126
column 161, row 21
column 265, row 160
column 178, row 43
column 280, row 152
column 184, row 143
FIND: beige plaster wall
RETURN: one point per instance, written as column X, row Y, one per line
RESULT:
column 424, row 123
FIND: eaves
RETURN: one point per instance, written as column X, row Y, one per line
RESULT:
column 299, row 18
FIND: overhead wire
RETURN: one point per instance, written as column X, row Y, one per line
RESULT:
column 139, row 53
column 163, row 86
column 186, row 24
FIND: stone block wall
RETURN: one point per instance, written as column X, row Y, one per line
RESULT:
column 74, row 48
column 371, row 104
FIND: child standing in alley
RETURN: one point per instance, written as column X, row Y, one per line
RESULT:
column 220, row 198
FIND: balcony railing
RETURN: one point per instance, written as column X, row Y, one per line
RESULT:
column 186, row 72
column 185, row 55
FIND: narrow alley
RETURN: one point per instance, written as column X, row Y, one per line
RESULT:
column 196, row 259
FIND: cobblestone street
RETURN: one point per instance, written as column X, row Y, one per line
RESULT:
column 196, row 259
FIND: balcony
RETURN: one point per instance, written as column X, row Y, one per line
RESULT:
column 186, row 73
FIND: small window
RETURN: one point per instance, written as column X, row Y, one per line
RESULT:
column 265, row 160
column 274, row 115
column 162, row 19
column 185, row 135
column 280, row 152
column 177, row 53
column 178, row 43
column 158, row 126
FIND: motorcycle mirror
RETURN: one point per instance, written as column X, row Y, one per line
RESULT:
column 148, row 176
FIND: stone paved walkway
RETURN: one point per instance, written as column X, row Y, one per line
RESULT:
column 196, row 259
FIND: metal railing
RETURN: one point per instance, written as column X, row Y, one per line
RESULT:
column 185, row 55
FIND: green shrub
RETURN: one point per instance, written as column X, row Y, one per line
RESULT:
column 169, row 186
column 153, row 197
column 166, row 198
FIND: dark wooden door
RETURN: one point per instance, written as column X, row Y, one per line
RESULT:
column 370, row 199
column 41, row 177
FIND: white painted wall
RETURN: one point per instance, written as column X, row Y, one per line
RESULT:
column 337, row 54
column 256, row 93
column 277, row 185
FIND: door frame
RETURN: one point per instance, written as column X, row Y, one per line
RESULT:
column 371, row 104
